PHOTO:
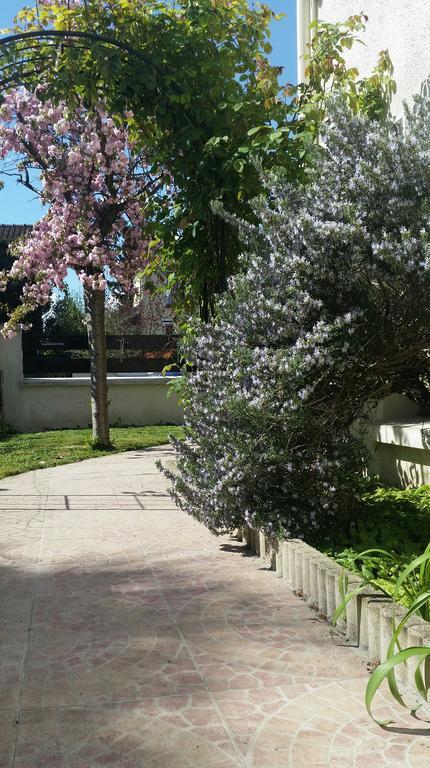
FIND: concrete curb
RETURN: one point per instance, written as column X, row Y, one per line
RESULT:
column 314, row 577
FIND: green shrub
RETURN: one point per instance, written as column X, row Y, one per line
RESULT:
column 393, row 521
column 412, row 588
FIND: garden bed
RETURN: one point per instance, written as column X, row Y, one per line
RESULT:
column 393, row 520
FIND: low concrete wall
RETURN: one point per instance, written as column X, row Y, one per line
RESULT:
column 399, row 443
column 32, row 405
column 314, row 577
column 402, row 452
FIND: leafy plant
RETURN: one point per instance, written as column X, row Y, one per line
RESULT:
column 66, row 313
column 327, row 70
column 409, row 581
column 392, row 527
column 412, row 588
column 195, row 84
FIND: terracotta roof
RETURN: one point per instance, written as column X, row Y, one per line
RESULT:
column 10, row 232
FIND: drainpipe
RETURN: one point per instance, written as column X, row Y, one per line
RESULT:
column 307, row 12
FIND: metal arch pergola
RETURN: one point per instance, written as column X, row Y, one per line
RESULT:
column 18, row 77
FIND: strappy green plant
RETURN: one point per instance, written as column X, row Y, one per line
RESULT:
column 412, row 589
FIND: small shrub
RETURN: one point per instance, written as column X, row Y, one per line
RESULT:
column 392, row 528
column 412, row 588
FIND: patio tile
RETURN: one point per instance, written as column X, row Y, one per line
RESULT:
column 98, row 521
column 7, row 740
column 224, row 666
column 9, row 698
column 106, row 550
column 183, row 731
column 135, row 609
column 61, row 485
column 289, row 727
column 96, row 668
column 154, row 644
column 75, row 530
column 17, row 583
column 94, row 579
column 11, row 659
column 14, row 620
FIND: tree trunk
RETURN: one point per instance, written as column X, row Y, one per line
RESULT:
column 2, row 416
column 95, row 317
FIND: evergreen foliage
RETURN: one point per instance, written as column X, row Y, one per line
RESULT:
column 66, row 314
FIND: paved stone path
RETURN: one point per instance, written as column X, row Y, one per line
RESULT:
column 132, row 638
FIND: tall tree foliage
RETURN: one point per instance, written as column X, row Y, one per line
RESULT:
column 65, row 314
column 207, row 105
column 332, row 314
column 97, row 188
column 196, row 75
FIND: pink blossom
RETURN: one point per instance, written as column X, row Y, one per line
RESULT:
column 94, row 184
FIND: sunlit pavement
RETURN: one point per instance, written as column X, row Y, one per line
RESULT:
column 133, row 638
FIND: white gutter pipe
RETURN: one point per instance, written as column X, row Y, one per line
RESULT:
column 307, row 12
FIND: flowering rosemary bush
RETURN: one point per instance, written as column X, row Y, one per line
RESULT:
column 332, row 314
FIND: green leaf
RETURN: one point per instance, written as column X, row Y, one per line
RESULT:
column 421, row 560
column 384, row 670
column 346, row 598
column 258, row 128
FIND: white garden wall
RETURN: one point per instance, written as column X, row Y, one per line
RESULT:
column 399, row 443
column 401, row 26
column 399, row 440
column 32, row 405
column 315, row 577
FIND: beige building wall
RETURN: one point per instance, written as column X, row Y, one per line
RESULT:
column 33, row 405
column 401, row 26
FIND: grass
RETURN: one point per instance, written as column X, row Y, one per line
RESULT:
column 37, row 450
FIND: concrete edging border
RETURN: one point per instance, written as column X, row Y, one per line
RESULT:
column 314, row 577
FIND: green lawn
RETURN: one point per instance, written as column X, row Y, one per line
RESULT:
column 36, row 450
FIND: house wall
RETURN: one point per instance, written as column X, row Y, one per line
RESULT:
column 32, row 405
column 398, row 439
column 401, row 26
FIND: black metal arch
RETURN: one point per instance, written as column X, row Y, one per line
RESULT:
column 7, row 79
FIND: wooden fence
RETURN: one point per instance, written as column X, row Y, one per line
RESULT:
column 66, row 355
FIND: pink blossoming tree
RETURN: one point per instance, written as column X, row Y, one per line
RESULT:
column 97, row 188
